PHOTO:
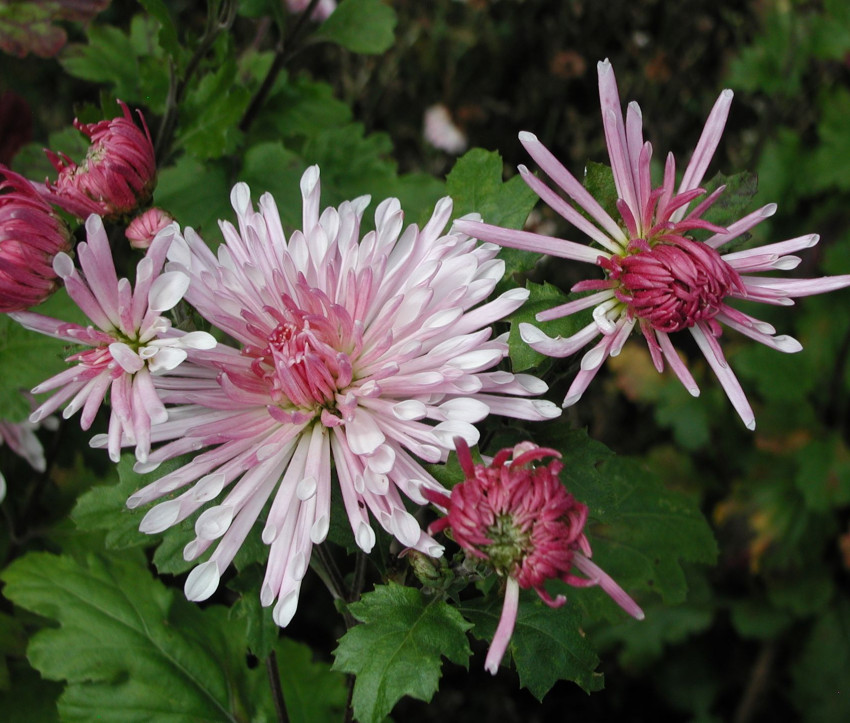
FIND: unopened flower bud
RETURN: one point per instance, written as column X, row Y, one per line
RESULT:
column 30, row 236
column 144, row 228
column 116, row 177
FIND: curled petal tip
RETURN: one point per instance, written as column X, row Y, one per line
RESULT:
column 527, row 137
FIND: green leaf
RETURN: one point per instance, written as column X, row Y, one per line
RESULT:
column 547, row 644
column 28, row 358
column 640, row 532
column 599, row 182
column 313, row 693
column 105, row 59
column 831, row 159
column 29, row 697
column 158, row 10
column 821, row 674
column 211, row 113
column 103, row 509
column 362, row 26
column 27, row 27
column 128, row 648
column 541, row 298
column 823, row 474
column 475, row 185
column 733, row 204
column 196, row 194
column 271, row 168
column 398, row 649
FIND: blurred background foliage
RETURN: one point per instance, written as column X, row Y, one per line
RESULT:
column 764, row 635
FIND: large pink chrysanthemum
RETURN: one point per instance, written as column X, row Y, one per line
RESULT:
column 657, row 277
column 132, row 340
column 361, row 355
column 521, row 520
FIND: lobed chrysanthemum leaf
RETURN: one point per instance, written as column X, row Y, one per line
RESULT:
column 640, row 532
column 131, row 649
column 362, row 26
column 398, row 648
column 547, row 644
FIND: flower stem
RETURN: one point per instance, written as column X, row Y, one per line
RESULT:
column 282, row 55
column 277, row 691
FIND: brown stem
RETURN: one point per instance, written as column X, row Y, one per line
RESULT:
column 280, row 59
column 277, row 691
column 757, row 683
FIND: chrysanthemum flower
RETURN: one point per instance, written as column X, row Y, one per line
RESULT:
column 30, row 236
column 657, row 277
column 132, row 341
column 118, row 174
column 523, row 523
column 362, row 355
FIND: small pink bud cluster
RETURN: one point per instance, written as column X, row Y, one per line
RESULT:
column 116, row 177
column 143, row 229
column 30, row 236
column 523, row 522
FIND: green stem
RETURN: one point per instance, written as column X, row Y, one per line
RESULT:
column 219, row 18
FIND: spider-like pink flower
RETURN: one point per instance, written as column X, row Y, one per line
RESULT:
column 657, row 277
column 132, row 341
column 364, row 356
column 521, row 520
column 30, row 236
column 118, row 174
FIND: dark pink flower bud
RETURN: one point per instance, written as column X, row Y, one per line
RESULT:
column 30, row 236
column 520, row 519
column 144, row 228
column 116, row 177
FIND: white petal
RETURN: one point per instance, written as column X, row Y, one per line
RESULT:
column 127, row 359
column 202, row 581
column 167, row 290
column 214, row 522
column 363, row 434
column 165, row 359
column 160, row 518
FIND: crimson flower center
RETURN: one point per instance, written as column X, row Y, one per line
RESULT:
column 674, row 284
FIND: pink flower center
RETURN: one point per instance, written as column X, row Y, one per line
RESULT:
column 671, row 285
column 307, row 361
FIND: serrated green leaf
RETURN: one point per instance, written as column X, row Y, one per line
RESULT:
column 362, row 26
column 196, row 194
column 547, row 644
column 830, row 160
column 821, row 675
column 128, row 647
column 475, row 185
column 541, row 297
column 398, row 648
column 211, row 113
column 640, row 532
column 732, row 205
column 105, row 60
column 167, row 36
column 271, row 168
